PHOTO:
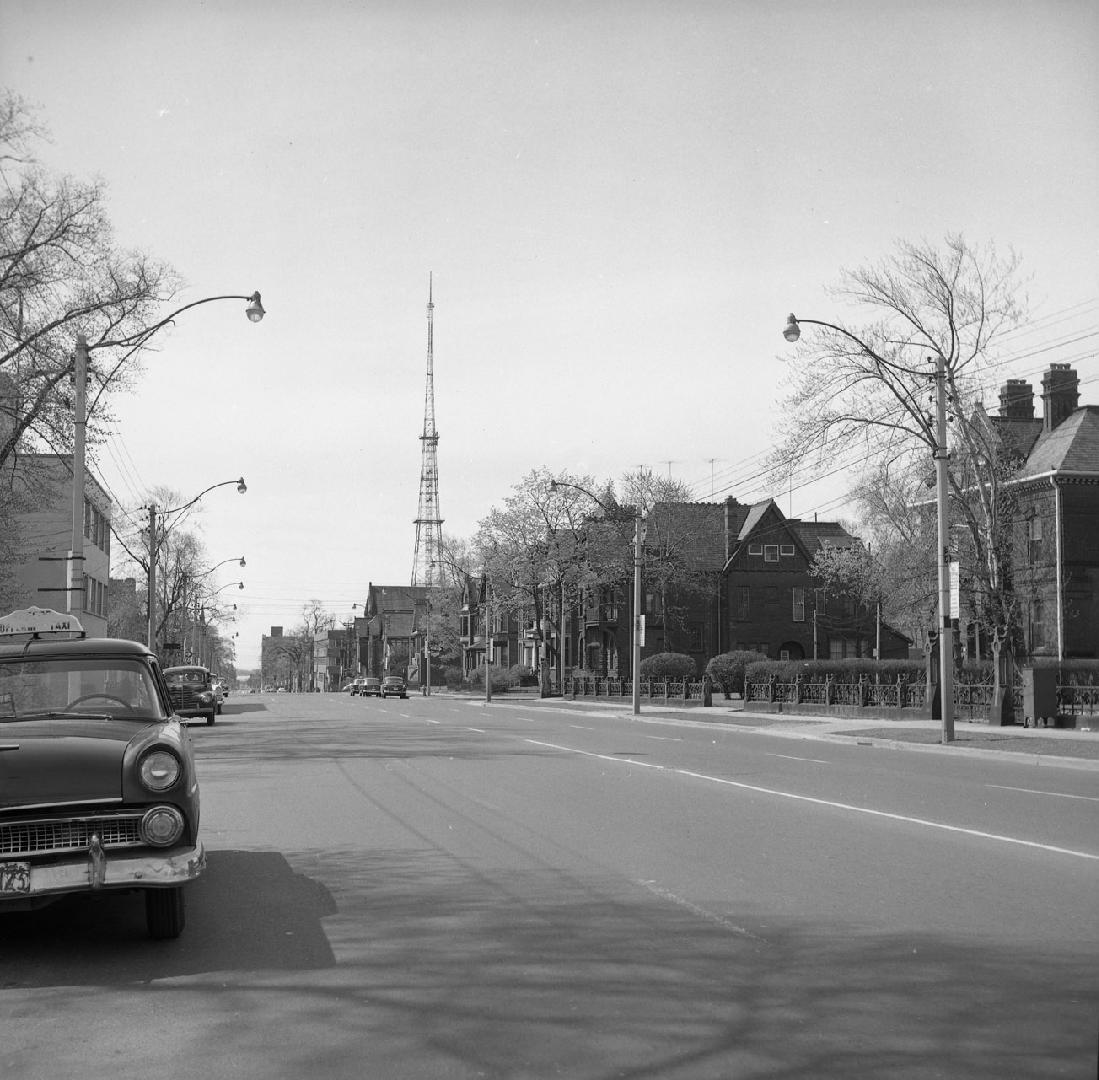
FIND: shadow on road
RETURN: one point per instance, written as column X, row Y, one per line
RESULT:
column 249, row 911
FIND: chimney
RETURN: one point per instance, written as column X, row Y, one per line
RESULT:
column 1060, row 395
column 1017, row 400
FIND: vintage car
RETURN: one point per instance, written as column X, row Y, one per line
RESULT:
column 394, row 686
column 193, row 691
column 98, row 791
column 371, row 687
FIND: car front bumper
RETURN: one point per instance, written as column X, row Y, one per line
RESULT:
column 97, row 869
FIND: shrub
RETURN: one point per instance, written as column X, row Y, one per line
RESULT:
column 499, row 679
column 668, row 665
column 727, row 670
column 521, row 675
column 453, row 678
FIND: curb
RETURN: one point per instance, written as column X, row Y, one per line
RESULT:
column 1021, row 757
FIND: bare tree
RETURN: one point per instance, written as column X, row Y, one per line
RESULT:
column 61, row 275
column 862, row 390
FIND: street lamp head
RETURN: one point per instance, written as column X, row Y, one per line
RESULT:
column 792, row 331
column 553, row 485
column 242, row 487
column 254, row 310
column 240, row 584
column 242, row 562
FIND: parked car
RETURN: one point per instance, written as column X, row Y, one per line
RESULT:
column 394, row 686
column 192, row 690
column 371, row 687
column 98, row 791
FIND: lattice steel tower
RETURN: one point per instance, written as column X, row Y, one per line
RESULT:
column 429, row 526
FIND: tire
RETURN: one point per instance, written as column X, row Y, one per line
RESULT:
column 165, row 915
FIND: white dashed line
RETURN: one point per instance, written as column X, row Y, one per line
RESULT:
column 888, row 815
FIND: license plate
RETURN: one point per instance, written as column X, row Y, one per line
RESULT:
column 15, row 877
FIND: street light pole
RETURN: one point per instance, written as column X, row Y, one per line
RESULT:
column 638, row 623
column 792, row 332
column 154, row 548
column 946, row 627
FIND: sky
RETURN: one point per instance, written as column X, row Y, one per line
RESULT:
column 618, row 203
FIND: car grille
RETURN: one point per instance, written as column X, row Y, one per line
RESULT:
column 55, row 836
column 184, row 698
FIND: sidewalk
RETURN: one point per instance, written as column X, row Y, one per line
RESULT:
column 1073, row 748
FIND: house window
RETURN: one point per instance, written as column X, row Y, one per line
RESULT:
column 1037, row 627
column 1034, row 539
column 770, row 552
column 835, row 648
column 798, row 613
column 743, row 601
column 787, row 551
column 755, row 549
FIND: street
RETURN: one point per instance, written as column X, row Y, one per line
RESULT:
column 436, row 887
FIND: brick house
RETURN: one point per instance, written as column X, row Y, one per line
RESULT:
column 1054, row 553
column 742, row 581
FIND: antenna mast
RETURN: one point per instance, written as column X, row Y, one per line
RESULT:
column 429, row 526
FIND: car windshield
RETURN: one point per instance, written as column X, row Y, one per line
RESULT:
column 115, row 687
column 192, row 679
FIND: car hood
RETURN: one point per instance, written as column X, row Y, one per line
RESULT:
column 62, row 760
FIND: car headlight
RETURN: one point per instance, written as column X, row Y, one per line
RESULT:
column 206, row 697
column 159, row 770
column 161, row 825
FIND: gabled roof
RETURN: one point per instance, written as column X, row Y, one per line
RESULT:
column 388, row 598
column 1071, row 447
column 695, row 529
column 824, row 536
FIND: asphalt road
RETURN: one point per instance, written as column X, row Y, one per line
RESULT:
column 439, row 888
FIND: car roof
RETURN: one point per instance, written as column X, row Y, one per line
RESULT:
column 81, row 648
column 187, row 667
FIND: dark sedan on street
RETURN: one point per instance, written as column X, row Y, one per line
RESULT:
column 394, row 686
column 98, row 791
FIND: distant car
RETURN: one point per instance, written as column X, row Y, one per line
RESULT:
column 98, row 791
column 371, row 687
column 352, row 687
column 193, row 692
column 393, row 686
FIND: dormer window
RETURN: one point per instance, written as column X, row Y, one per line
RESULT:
column 770, row 552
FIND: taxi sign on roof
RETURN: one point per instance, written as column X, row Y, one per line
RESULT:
column 38, row 620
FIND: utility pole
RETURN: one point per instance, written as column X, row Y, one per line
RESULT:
column 150, row 637
column 75, row 594
column 946, row 626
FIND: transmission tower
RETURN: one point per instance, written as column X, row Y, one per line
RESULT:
column 429, row 526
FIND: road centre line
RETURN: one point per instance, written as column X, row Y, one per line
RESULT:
column 1036, row 791
column 978, row 833
column 480, row 731
column 794, row 757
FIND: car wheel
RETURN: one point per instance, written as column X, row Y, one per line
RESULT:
column 210, row 717
column 164, row 912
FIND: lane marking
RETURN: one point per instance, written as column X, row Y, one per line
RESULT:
column 580, row 727
column 480, row 731
column 869, row 811
column 661, row 738
column 1036, row 791
column 701, row 912
column 793, row 757
column 434, row 721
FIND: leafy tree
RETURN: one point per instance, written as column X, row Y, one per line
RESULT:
column 863, row 389
column 532, row 547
